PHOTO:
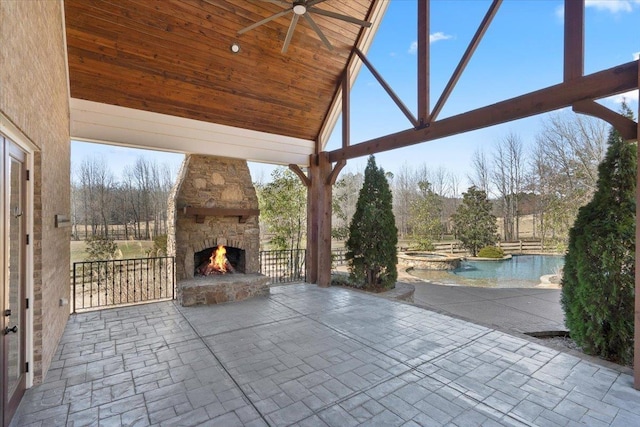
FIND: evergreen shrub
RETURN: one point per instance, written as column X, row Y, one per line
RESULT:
column 598, row 286
column 491, row 252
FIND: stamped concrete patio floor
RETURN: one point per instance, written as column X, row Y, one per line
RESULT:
column 312, row 356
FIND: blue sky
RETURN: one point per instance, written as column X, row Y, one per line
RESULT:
column 521, row 52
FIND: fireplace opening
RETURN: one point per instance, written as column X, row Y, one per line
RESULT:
column 219, row 260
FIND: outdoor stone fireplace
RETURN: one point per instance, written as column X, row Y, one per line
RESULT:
column 214, row 232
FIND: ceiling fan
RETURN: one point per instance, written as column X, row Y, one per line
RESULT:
column 303, row 8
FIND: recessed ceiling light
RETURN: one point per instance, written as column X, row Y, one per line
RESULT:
column 235, row 47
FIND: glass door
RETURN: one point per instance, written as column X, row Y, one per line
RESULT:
column 13, row 292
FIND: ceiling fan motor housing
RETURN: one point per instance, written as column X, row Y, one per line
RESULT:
column 304, row 8
column 299, row 7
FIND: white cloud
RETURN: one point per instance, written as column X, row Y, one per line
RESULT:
column 413, row 48
column 636, row 56
column 560, row 12
column 613, row 6
column 439, row 36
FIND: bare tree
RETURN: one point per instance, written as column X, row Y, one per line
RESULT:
column 508, row 179
column 161, row 183
column 539, row 182
column 412, row 189
column 404, row 191
column 101, row 203
column 96, row 183
column 481, row 171
column 142, row 177
column 345, row 197
column 442, row 184
column 132, row 207
column 76, row 207
column 564, row 172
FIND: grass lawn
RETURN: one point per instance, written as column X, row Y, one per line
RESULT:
column 129, row 249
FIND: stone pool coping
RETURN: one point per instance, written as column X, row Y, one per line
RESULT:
column 477, row 258
column 442, row 261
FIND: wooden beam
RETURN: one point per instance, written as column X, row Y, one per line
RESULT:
column 473, row 45
column 201, row 213
column 603, row 83
column 346, row 110
column 624, row 125
column 387, row 88
column 423, row 61
column 573, row 39
column 333, row 176
column 303, row 177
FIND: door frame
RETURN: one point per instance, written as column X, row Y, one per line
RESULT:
column 14, row 135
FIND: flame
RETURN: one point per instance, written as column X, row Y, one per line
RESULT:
column 219, row 259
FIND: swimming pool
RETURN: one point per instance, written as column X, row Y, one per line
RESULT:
column 522, row 271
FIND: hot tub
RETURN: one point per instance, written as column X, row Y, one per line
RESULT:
column 428, row 261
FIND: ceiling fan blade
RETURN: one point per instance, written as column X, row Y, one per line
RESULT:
column 264, row 21
column 340, row 16
column 318, row 31
column 292, row 26
column 313, row 2
column 280, row 2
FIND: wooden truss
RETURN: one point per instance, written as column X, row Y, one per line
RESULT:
column 577, row 90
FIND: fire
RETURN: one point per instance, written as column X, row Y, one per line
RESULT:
column 218, row 263
column 219, row 259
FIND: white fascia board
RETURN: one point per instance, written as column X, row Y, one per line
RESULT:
column 111, row 124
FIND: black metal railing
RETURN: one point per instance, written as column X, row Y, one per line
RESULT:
column 99, row 284
column 284, row 266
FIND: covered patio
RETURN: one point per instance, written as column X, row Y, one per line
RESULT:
column 307, row 355
column 215, row 78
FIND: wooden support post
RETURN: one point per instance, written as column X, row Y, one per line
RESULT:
column 573, row 39
column 423, row 61
column 319, row 196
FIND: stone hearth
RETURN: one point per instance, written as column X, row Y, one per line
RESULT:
column 222, row 288
column 214, row 203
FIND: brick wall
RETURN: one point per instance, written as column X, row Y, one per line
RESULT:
column 34, row 97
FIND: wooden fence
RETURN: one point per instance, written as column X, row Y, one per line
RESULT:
column 518, row 247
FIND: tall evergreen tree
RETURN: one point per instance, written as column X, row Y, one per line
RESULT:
column 474, row 223
column 373, row 236
column 598, row 283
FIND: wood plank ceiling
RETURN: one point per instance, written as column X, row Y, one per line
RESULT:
column 173, row 57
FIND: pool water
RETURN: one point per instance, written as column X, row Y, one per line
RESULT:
column 522, row 271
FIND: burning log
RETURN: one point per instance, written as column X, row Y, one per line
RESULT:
column 217, row 264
